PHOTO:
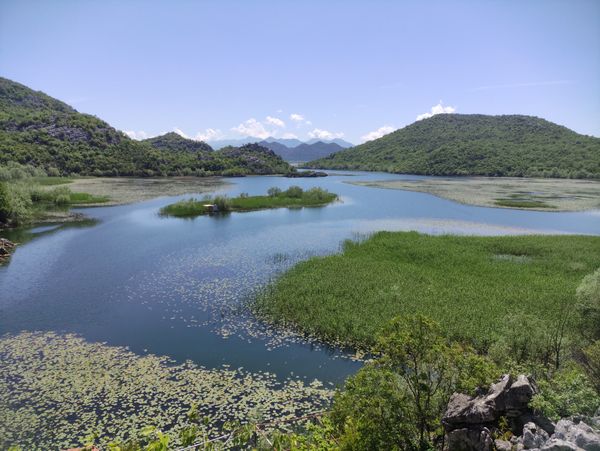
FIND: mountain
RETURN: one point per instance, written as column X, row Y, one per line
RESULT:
column 340, row 142
column 476, row 144
column 173, row 141
column 304, row 151
column 287, row 142
column 42, row 131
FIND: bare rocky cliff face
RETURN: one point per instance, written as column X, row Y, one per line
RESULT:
column 502, row 420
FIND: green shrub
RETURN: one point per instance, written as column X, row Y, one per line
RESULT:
column 591, row 364
column 294, row 192
column 568, row 392
column 222, row 202
column 397, row 402
column 274, row 191
column 5, row 207
column 588, row 304
column 53, row 172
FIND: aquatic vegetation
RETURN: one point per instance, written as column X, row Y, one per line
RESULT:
column 57, row 389
column 506, row 192
column 459, row 281
column 293, row 197
column 515, row 202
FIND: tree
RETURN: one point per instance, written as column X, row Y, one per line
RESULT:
column 397, row 402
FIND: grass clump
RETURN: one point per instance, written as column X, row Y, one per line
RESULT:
column 293, row 197
column 457, row 281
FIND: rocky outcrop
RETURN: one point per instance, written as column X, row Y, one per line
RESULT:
column 6, row 248
column 501, row 419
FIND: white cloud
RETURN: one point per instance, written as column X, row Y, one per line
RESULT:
column 180, row 133
column 210, row 134
column 377, row 133
column 437, row 109
column 252, row 128
column 289, row 136
column 275, row 121
column 324, row 134
column 138, row 135
column 297, row 117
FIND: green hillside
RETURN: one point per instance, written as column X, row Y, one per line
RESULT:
column 39, row 130
column 173, row 141
column 475, row 144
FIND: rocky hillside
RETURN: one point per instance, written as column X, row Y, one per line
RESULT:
column 42, row 131
column 174, row 142
column 475, row 144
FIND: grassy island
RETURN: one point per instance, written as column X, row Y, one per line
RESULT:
column 293, row 197
column 480, row 289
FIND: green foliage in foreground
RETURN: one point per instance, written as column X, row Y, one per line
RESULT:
column 476, row 144
column 398, row 401
column 509, row 295
column 293, row 197
column 568, row 392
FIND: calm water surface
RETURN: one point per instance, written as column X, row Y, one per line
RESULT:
column 179, row 287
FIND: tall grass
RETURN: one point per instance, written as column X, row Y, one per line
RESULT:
column 467, row 284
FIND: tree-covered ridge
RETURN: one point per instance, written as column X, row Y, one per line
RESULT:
column 476, row 144
column 173, row 141
column 37, row 130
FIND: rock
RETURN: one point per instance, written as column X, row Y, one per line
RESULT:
column 463, row 409
column 502, row 445
column 557, row 444
column 580, row 434
column 534, row 436
column 467, row 439
column 520, row 392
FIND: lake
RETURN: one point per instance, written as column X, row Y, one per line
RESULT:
column 181, row 287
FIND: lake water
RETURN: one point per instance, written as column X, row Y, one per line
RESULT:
column 180, row 287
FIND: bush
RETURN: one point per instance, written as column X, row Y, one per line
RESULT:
column 569, row 392
column 588, row 304
column 5, row 208
column 222, row 202
column 53, row 172
column 294, row 192
column 318, row 194
column 274, row 191
column 398, row 401
column 591, row 364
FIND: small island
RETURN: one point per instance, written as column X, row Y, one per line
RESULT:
column 293, row 197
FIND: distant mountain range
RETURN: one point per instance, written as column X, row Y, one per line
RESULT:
column 476, row 144
column 39, row 130
column 291, row 149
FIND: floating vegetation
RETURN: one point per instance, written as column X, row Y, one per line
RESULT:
column 56, row 389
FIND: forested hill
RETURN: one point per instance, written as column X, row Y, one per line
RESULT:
column 476, row 144
column 173, row 141
column 40, row 130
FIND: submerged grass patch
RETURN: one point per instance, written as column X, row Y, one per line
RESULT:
column 294, row 197
column 57, row 389
column 517, row 202
column 472, row 286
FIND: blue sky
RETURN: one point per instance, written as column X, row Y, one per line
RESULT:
column 307, row 68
